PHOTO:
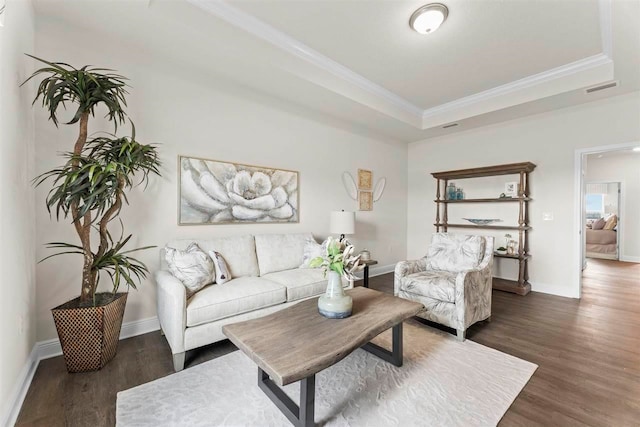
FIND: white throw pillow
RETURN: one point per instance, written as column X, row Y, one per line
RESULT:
column 222, row 271
column 192, row 267
column 312, row 249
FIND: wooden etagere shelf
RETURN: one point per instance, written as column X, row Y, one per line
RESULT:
column 488, row 227
column 522, row 285
column 498, row 200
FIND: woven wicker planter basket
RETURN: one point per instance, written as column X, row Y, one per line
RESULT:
column 89, row 335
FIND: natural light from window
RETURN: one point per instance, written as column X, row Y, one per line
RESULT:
column 594, row 206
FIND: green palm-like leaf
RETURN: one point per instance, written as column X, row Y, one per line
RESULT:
column 90, row 181
column 86, row 87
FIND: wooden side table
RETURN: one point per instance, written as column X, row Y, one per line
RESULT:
column 366, row 270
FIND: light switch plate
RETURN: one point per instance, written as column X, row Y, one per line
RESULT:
column 547, row 216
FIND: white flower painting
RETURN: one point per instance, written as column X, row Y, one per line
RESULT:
column 213, row 192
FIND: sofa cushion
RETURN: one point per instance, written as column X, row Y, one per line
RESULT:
column 237, row 296
column 278, row 252
column 455, row 252
column 238, row 251
column 301, row 282
column 439, row 285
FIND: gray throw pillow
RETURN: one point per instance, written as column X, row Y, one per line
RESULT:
column 192, row 267
column 598, row 224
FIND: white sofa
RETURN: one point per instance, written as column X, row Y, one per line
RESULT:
column 265, row 278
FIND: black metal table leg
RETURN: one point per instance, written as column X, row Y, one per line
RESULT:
column 395, row 355
column 366, row 276
column 303, row 415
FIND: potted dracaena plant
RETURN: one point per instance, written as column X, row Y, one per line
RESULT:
column 89, row 189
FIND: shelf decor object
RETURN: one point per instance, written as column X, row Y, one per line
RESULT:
column 482, row 221
column 521, row 286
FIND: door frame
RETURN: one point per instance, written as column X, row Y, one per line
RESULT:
column 579, row 218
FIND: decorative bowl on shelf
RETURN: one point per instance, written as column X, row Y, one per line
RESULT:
column 482, row 221
column 501, row 251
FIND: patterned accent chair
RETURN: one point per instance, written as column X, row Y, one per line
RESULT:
column 453, row 280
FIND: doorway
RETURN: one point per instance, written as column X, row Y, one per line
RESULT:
column 603, row 222
column 627, row 188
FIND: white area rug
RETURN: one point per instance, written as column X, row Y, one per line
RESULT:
column 442, row 383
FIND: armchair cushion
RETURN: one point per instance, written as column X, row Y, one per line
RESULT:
column 439, row 285
column 455, row 252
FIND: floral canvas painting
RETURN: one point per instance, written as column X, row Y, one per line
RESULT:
column 213, row 192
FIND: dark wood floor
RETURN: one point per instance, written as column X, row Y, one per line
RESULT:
column 588, row 352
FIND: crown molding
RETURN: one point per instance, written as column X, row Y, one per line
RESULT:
column 279, row 39
column 515, row 86
column 266, row 32
column 606, row 27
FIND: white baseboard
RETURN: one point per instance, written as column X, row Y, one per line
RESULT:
column 546, row 288
column 553, row 290
column 14, row 403
column 626, row 258
column 51, row 348
column 377, row 270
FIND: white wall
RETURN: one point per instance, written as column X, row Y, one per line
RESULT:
column 549, row 140
column 623, row 168
column 17, row 222
column 198, row 114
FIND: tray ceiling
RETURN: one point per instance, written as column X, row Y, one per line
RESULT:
column 482, row 45
column 491, row 61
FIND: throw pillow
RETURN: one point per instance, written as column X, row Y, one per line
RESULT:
column 611, row 223
column 455, row 252
column 598, row 224
column 192, row 267
column 222, row 271
column 312, row 249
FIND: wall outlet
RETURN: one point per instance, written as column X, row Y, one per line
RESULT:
column 547, row 216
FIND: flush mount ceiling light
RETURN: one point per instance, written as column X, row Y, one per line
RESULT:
column 428, row 18
column 636, row 149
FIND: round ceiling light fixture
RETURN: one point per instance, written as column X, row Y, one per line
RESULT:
column 428, row 18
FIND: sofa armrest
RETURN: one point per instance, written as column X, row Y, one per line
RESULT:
column 404, row 268
column 172, row 309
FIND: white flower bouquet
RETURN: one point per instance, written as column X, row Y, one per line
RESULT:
column 339, row 258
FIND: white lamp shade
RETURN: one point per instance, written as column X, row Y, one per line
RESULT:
column 343, row 222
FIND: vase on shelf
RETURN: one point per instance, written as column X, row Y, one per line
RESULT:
column 451, row 191
column 335, row 304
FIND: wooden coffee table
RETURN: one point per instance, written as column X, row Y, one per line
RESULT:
column 295, row 343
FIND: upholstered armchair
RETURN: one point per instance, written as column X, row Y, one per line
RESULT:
column 453, row 280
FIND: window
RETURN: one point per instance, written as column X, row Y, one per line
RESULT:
column 594, row 205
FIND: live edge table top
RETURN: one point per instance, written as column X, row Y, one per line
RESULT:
column 297, row 342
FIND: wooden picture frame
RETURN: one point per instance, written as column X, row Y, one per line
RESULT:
column 365, row 200
column 365, row 179
column 511, row 189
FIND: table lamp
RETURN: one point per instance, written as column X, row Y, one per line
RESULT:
column 342, row 223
